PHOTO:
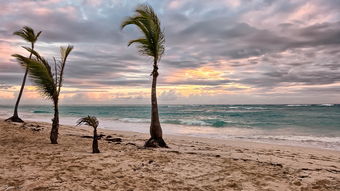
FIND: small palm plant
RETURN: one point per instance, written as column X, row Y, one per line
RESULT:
column 28, row 34
column 93, row 122
column 47, row 82
column 150, row 44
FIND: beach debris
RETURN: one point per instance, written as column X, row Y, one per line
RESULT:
column 113, row 140
column 93, row 122
column 32, row 127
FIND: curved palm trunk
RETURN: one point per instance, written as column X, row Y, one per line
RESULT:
column 156, row 139
column 55, row 124
column 15, row 117
column 95, row 148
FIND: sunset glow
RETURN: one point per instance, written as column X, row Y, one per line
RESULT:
column 221, row 52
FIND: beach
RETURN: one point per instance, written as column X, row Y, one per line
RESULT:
column 29, row 162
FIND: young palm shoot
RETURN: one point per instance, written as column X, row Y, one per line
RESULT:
column 93, row 122
column 47, row 82
column 150, row 44
column 28, row 35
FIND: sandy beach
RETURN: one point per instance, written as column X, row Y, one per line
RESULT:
column 29, row 162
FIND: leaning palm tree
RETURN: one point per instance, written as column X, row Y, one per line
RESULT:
column 93, row 122
column 28, row 35
column 150, row 44
column 48, row 83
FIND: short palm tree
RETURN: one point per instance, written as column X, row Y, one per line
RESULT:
column 93, row 122
column 28, row 35
column 150, row 44
column 48, row 83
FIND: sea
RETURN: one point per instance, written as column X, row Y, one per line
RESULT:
column 299, row 124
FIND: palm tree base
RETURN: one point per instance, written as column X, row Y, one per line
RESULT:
column 15, row 119
column 156, row 143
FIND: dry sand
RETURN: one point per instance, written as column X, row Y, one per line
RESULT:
column 29, row 162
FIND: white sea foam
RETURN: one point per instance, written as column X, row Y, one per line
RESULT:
column 193, row 122
column 134, row 120
column 298, row 105
column 327, row 105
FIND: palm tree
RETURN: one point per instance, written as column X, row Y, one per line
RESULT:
column 151, row 44
column 48, row 83
column 93, row 122
column 28, row 35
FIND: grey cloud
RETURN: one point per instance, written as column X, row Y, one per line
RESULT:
column 197, row 34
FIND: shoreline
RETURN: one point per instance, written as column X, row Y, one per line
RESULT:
column 208, row 140
column 28, row 161
column 229, row 134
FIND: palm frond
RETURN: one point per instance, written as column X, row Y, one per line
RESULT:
column 37, row 55
column 152, row 44
column 64, row 52
column 89, row 120
column 40, row 75
column 28, row 34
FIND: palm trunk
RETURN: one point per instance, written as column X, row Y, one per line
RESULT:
column 55, row 124
column 15, row 117
column 156, row 139
column 95, row 148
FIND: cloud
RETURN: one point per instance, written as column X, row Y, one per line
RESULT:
column 266, row 46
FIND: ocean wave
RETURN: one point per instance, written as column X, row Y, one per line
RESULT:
column 219, row 124
column 233, row 107
column 193, row 122
column 40, row 111
column 327, row 105
column 298, row 105
column 190, row 122
column 250, row 108
column 134, row 120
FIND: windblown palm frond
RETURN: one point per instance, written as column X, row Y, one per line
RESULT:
column 64, row 52
column 28, row 34
column 89, row 120
column 152, row 44
column 38, row 57
column 40, row 74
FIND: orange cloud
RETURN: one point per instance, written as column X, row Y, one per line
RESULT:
column 6, row 95
column 202, row 73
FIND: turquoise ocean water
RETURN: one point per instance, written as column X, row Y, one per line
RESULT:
column 305, row 125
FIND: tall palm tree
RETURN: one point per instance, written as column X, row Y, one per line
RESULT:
column 93, row 122
column 28, row 34
column 48, row 83
column 150, row 44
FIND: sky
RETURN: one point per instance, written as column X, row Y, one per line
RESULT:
column 217, row 51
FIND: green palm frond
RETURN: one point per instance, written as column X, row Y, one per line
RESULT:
column 28, row 34
column 152, row 44
column 40, row 75
column 38, row 57
column 89, row 120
